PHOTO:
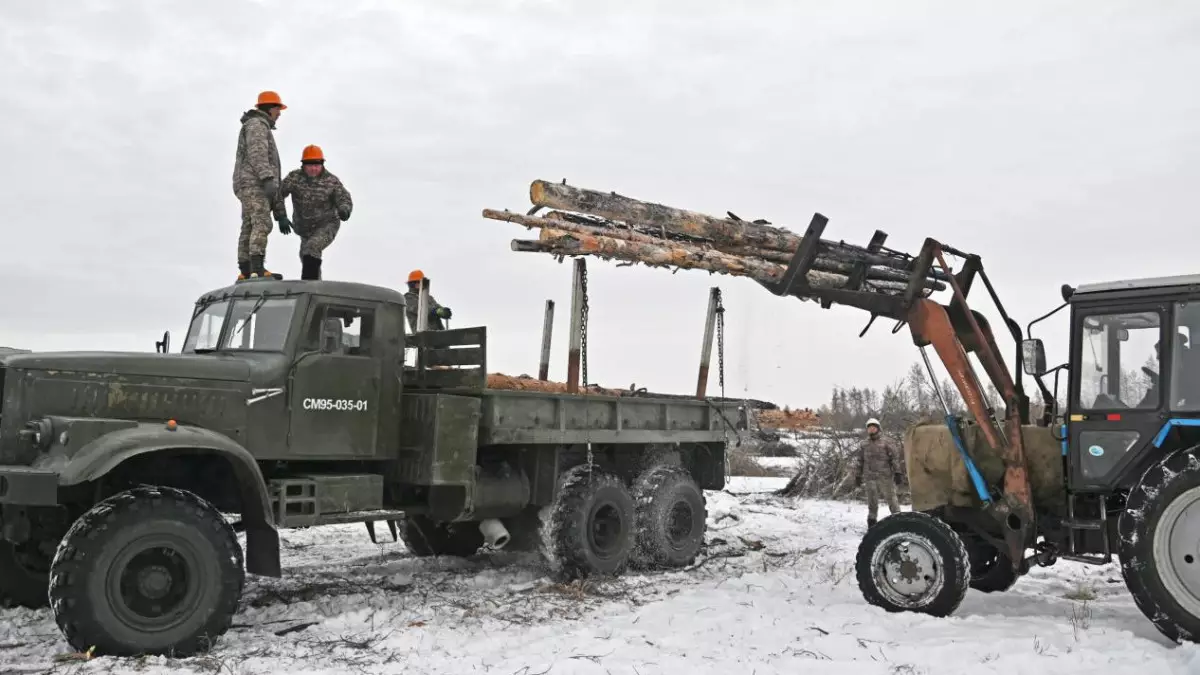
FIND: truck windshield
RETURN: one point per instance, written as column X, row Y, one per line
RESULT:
column 205, row 330
column 260, row 324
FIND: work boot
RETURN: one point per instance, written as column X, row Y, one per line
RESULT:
column 309, row 268
column 316, row 268
column 244, row 269
column 256, row 267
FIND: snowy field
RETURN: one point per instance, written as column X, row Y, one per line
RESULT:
column 773, row 593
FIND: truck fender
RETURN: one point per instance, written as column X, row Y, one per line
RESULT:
column 105, row 453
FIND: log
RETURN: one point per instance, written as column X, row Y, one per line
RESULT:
column 559, row 220
column 679, row 255
column 723, row 233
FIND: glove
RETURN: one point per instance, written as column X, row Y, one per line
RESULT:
column 271, row 189
column 442, row 312
column 285, row 225
column 344, row 213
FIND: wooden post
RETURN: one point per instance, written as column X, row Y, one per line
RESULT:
column 576, row 342
column 706, row 350
column 547, row 328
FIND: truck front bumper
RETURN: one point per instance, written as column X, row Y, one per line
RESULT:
column 23, row 486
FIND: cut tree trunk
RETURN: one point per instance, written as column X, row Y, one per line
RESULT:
column 662, row 253
column 557, row 220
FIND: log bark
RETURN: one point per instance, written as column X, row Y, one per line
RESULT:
column 558, row 220
column 679, row 255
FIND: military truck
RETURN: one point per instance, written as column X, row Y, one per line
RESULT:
column 306, row 403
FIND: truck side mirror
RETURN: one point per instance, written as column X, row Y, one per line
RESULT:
column 163, row 346
column 1033, row 356
column 331, row 336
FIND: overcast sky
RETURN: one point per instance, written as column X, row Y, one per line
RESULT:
column 1056, row 139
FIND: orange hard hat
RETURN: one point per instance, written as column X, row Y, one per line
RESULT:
column 271, row 98
column 312, row 153
column 415, row 275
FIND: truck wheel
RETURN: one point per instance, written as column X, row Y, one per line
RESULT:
column 152, row 570
column 991, row 570
column 671, row 518
column 24, row 575
column 913, row 562
column 590, row 529
column 1159, row 549
column 424, row 537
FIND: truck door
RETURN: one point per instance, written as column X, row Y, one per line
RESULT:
column 1117, row 404
column 335, row 383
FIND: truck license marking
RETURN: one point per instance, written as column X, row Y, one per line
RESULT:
column 335, row 404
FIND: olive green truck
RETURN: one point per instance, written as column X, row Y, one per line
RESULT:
column 125, row 477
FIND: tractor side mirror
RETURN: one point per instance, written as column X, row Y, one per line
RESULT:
column 163, row 346
column 1033, row 356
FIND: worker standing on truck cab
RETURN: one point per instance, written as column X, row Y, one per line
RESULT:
column 256, row 176
column 877, row 469
column 412, row 298
column 320, row 204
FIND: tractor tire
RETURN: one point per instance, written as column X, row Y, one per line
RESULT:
column 913, row 562
column 589, row 531
column 1159, row 554
column 991, row 570
column 671, row 518
column 425, row 538
column 24, row 575
column 152, row 570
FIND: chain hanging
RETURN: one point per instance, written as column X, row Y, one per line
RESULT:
column 583, row 359
column 720, row 342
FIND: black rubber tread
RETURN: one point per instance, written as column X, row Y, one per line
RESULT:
column 1159, row 485
column 655, row 493
column 951, row 550
column 18, row 585
column 73, row 573
column 565, row 533
column 991, row 570
column 425, row 538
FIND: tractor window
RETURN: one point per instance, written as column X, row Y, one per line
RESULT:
column 1185, row 371
column 1118, row 362
column 260, row 324
column 205, row 330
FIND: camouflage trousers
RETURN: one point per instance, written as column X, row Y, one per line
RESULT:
column 876, row 488
column 316, row 240
column 256, row 224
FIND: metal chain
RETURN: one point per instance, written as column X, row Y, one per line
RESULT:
column 720, row 342
column 583, row 350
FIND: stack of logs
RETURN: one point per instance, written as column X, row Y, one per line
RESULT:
column 614, row 227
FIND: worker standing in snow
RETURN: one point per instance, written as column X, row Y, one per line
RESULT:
column 256, row 175
column 877, row 468
column 412, row 298
column 320, row 204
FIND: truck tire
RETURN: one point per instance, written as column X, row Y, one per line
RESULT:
column 24, row 575
column 671, row 518
column 991, row 569
column 152, row 570
column 1159, row 560
column 590, row 528
column 913, row 562
column 425, row 538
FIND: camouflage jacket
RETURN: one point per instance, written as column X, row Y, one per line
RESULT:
column 411, row 300
column 257, row 157
column 315, row 201
column 877, row 459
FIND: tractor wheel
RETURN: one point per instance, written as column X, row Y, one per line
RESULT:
column 671, row 518
column 590, row 527
column 991, row 570
column 25, row 574
column 152, row 570
column 913, row 562
column 424, row 537
column 1159, row 548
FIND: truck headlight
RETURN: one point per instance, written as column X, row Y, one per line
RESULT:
column 39, row 432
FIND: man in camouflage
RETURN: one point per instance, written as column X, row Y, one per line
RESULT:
column 256, row 176
column 320, row 204
column 412, row 299
column 877, row 468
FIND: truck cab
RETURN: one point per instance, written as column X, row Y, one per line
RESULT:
column 326, row 360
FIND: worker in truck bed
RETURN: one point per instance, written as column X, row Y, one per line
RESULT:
column 256, row 175
column 437, row 313
column 320, row 204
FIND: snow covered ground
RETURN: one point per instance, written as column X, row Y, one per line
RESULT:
column 774, row 593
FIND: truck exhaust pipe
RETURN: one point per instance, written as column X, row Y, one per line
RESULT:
column 495, row 535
